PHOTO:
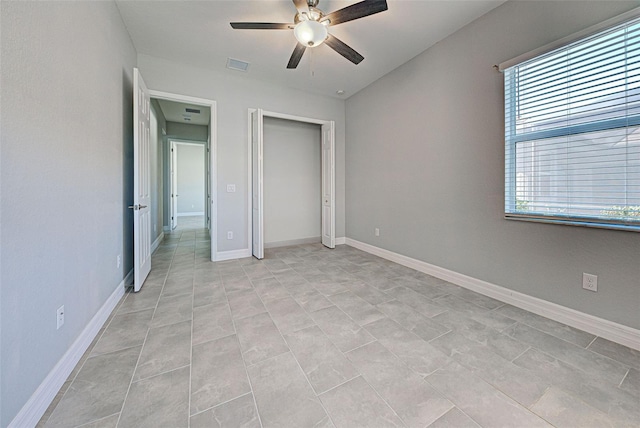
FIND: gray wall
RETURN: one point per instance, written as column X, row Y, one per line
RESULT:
column 190, row 178
column 292, row 180
column 235, row 93
column 188, row 131
column 157, row 171
column 425, row 164
column 66, row 174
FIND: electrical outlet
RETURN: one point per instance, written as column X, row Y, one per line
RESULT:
column 231, row 188
column 590, row 282
column 376, row 231
column 229, row 235
column 118, row 261
column 59, row 317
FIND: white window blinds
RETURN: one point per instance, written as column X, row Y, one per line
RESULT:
column 572, row 128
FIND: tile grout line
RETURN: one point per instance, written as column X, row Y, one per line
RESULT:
column 521, row 353
column 572, row 346
column 340, row 384
column 294, row 357
column 193, row 292
column 591, row 343
column 221, row 403
column 144, row 342
column 244, row 362
column 623, row 378
column 246, row 371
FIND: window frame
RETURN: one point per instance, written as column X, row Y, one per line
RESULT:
column 512, row 138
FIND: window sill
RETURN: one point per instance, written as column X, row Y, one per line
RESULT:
column 573, row 222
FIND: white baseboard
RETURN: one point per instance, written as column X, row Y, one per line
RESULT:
column 156, row 243
column 302, row 241
column 128, row 280
column 233, row 254
column 166, row 228
column 191, row 214
column 35, row 407
column 341, row 240
column 606, row 329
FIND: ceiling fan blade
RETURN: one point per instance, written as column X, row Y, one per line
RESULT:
column 260, row 26
column 296, row 56
column 356, row 11
column 301, row 5
column 343, row 49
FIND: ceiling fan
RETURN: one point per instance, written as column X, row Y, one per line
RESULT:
column 310, row 27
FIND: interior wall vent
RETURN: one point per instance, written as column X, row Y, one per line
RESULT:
column 236, row 64
column 192, row 110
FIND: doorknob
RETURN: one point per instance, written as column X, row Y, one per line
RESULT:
column 142, row 206
column 133, row 207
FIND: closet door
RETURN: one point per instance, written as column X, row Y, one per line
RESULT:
column 257, row 191
column 328, row 185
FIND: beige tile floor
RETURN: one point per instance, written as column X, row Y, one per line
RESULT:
column 317, row 337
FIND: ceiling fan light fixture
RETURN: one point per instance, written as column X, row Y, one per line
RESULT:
column 310, row 33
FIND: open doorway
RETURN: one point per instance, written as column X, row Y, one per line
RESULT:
column 326, row 198
column 292, row 182
column 188, row 198
column 185, row 135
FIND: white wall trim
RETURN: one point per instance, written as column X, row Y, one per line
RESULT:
column 191, row 214
column 128, row 280
column 35, row 407
column 606, row 329
column 341, row 240
column 233, row 254
column 156, row 243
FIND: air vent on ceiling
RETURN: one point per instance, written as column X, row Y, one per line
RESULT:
column 236, row 64
column 192, row 110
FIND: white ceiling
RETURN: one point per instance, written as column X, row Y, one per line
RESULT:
column 177, row 112
column 198, row 33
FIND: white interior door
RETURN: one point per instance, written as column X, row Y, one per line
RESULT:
column 174, row 184
column 257, row 144
column 328, row 185
column 141, row 181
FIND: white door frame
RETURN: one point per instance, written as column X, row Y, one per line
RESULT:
column 213, row 156
column 173, row 185
column 331, row 167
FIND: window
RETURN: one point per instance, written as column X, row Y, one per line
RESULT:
column 572, row 131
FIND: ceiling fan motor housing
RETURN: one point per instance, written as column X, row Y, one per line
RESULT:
column 314, row 14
